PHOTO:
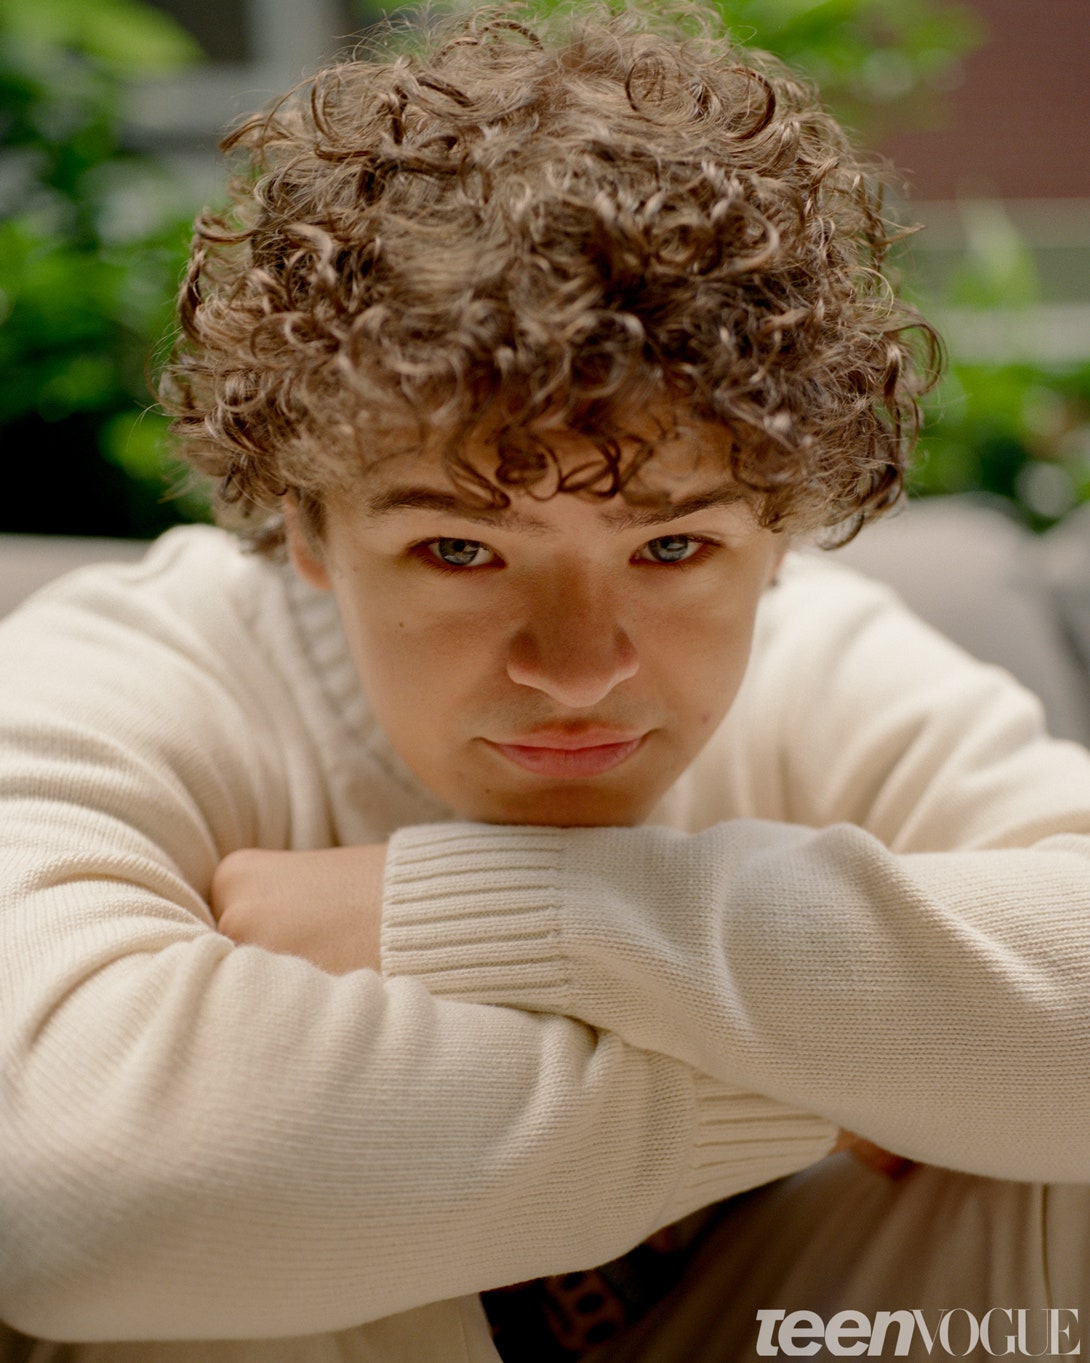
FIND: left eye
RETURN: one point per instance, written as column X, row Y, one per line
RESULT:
column 461, row 553
column 669, row 549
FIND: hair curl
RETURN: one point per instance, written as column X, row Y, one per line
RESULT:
column 526, row 226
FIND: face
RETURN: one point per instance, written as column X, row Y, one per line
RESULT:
column 558, row 662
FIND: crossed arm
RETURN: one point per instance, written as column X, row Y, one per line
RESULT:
column 326, row 906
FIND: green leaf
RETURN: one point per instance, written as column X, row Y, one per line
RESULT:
column 125, row 34
column 135, row 442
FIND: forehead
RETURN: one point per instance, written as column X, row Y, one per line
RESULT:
column 682, row 470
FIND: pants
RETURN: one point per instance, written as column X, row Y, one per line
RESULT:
column 841, row 1237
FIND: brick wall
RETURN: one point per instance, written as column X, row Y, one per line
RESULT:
column 1019, row 124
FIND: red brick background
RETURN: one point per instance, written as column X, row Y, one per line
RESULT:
column 1019, row 124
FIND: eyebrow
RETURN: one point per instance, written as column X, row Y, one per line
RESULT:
column 633, row 517
column 627, row 518
column 428, row 499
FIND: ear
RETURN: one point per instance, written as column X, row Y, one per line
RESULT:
column 306, row 556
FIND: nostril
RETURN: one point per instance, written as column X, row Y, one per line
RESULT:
column 575, row 669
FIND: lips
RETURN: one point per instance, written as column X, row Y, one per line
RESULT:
column 589, row 753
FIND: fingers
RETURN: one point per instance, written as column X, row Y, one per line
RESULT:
column 875, row 1157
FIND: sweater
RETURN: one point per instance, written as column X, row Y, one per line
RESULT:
column 862, row 906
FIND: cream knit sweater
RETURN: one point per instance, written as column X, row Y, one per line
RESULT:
column 203, row 1142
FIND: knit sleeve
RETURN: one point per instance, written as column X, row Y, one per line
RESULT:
column 902, row 945
column 200, row 1140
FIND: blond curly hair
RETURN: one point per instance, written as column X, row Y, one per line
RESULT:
column 525, row 225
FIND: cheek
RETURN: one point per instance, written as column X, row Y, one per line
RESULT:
column 710, row 638
column 399, row 661
column 700, row 655
column 416, row 666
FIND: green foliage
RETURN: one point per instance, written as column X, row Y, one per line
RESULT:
column 876, row 62
column 1019, row 431
column 91, row 244
column 122, row 35
column 92, row 240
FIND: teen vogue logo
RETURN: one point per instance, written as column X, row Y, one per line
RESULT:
column 1002, row 1332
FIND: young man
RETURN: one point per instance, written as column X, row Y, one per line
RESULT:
column 538, row 350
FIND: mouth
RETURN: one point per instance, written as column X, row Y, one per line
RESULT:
column 566, row 755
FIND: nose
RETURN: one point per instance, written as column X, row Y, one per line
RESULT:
column 572, row 647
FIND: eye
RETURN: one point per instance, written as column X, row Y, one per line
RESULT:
column 460, row 553
column 670, row 549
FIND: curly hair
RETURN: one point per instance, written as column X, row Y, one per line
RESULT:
column 531, row 225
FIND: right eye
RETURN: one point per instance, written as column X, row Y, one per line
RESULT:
column 460, row 553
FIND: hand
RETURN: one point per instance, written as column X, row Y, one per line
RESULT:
column 873, row 1156
column 325, row 906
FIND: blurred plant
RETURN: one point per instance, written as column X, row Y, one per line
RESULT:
column 878, row 63
column 1016, row 430
column 92, row 238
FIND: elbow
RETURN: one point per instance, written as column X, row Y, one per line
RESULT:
column 48, row 1260
column 70, row 1255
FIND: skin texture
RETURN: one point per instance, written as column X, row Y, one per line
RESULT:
column 325, row 906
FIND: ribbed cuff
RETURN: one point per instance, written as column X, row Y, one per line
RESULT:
column 474, row 910
column 744, row 1140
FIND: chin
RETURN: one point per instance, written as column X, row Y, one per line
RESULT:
column 564, row 807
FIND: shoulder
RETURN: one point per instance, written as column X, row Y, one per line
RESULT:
column 151, row 692
column 170, row 643
column 835, row 648
column 815, row 592
column 822, row 622
column 195, row 591
column 188, row 569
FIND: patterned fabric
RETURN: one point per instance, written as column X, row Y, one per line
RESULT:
column 561, row 1319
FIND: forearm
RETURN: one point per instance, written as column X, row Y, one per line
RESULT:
column 202, row 1140
column 938, row 1003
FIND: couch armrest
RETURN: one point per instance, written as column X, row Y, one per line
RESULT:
column 996, row 589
